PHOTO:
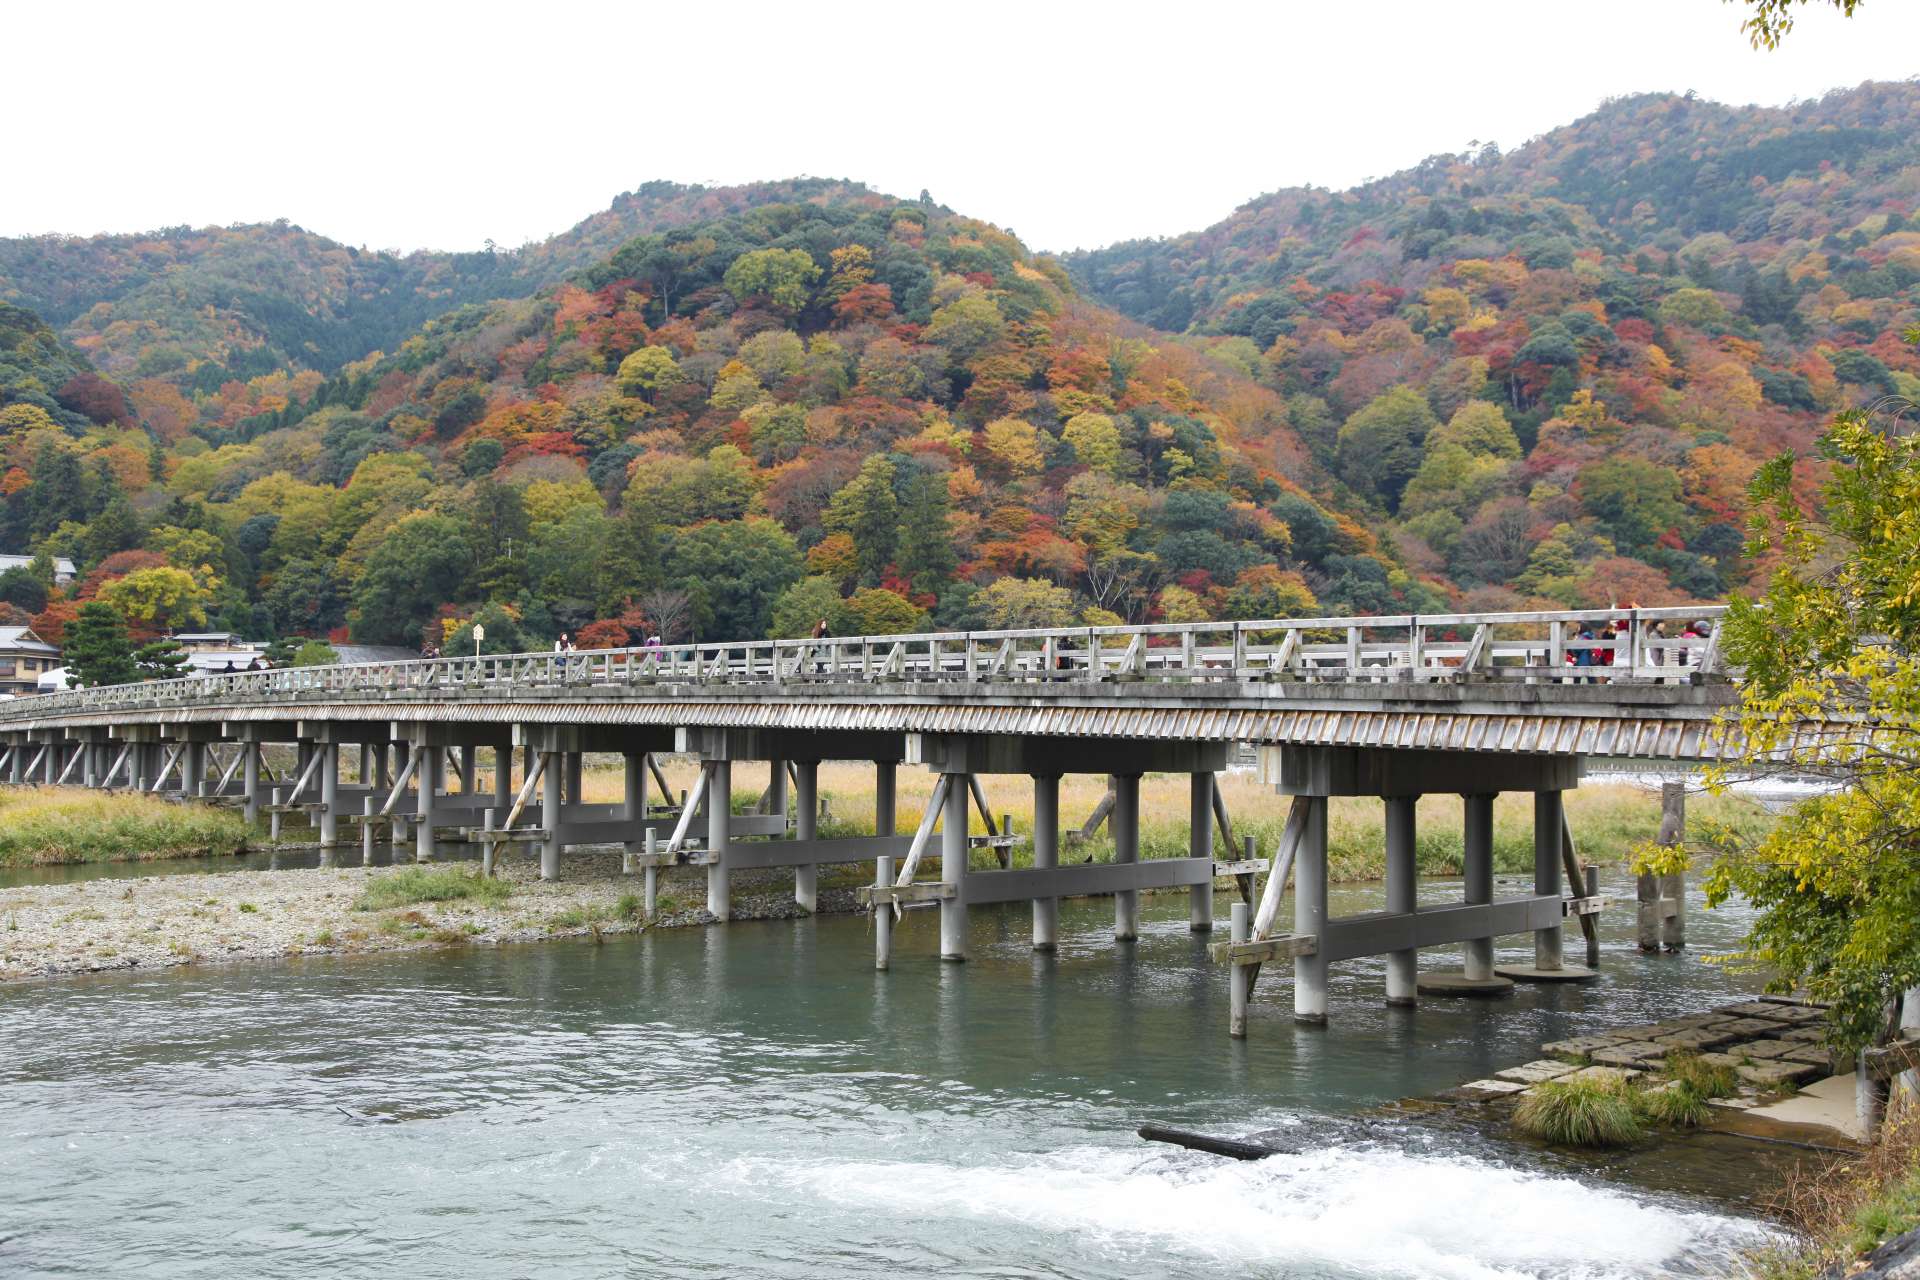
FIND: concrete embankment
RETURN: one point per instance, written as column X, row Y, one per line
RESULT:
column 154, row 922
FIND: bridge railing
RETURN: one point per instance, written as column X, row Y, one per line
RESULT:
column 1588, row 646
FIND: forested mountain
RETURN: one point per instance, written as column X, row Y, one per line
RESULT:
column 1492, row 381
column 1554, row 370
column 873, row 412
column 187, row 317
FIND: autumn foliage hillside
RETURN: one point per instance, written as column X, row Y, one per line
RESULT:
column 870, row 412
column 1551, row 373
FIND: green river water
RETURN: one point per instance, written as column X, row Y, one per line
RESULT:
column 756, row 1101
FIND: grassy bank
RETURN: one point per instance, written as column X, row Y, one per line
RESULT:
column 1851, row 1207
column 1608, row 820
column 45, row 825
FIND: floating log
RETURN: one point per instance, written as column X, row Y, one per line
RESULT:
column 1232, row 1148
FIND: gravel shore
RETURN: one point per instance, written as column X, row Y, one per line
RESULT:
column 154, row 922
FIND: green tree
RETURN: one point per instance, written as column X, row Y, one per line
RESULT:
column 647, row 372
column 315, row 653
column 97, row 649
column 502, row 632
column 926, row 557
column 1378, row 448
column 20, row 588
column 966, row 326
column 1480, row 428
column 419, row 566
column 866, row 510
column 782, row 277
column 1096, row 442
column 159, row 598
column 739, row 567
column 162, row 659
column 1836, row 638
column 1635, row 499
column 1011, row 604
column 801, row 607
column 876, row 611
column 116, row 528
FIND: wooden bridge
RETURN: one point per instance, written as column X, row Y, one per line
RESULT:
column 1393, row 707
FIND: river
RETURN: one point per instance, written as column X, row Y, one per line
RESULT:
column 755, row 1100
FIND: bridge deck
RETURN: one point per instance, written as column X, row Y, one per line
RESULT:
column 1469, row 682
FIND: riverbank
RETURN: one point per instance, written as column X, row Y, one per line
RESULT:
column 41, row 826
column 146, row 923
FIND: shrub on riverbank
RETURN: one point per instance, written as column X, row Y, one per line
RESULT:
column 1581, row 1113
column 422, row 884
column 47, row 825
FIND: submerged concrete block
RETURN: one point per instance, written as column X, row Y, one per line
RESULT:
column 1536, row 1072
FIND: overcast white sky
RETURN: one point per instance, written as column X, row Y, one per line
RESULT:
column 404, row 125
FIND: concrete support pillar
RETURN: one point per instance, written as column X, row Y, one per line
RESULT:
column 652, row 874
column 1657, row 895
column 882, row 914
column 1200, row 845
column 1046, row 853
column 1547, row 817
column 17, row 764
column 1401, row 894
column 428, row 777
column 89, row 757
column 552, row 783
column 250, row 781
column 1477, row 864
column 368, row 807
column 719, row 810
column 329, row 794
column 469, row 767
column 806, row 826
column 50, row 771
column 953, row 868
column 776, row 797
column 364, row 767
column 1310, row 915
column 502, row 781
column 633, row 804
column 1125, row 824
column 1238, row 975
column 885, row 814
column 573, row 777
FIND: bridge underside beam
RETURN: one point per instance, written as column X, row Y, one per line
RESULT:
column 1037, row 755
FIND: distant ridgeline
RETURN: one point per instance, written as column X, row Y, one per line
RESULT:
column 1537, row 379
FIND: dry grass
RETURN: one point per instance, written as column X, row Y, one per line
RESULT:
column 44, row 825
column 1850, row 1206
column 1608, row 820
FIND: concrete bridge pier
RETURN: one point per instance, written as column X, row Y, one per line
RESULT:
column 719, row 803
column 1310, row 914
column 954, row 857
column 1399, row 777
column 252, row 735
column 806, row 825
column 1549, row 959
column 1125, row 824
column 961, row 758
column 1200, row 845
column 1401, row 892
column 1046, row 854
